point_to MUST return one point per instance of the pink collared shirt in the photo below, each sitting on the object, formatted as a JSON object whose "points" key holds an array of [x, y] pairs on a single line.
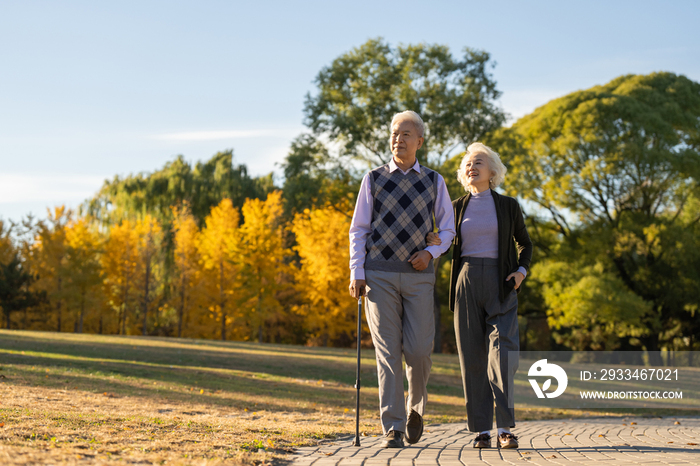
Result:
{"points": [[360, 228]]}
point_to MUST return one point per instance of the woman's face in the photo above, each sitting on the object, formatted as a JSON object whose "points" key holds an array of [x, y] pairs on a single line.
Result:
{"points": [[478, 171]]}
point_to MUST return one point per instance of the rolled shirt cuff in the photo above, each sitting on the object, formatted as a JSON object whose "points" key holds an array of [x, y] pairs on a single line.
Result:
{"points": [[357, 274], [522, 271]]}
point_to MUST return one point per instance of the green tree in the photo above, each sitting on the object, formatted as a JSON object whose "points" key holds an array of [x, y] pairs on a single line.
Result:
{"points": [[202, 187], [15, 292], [616, 170], [312, 178], [361, 90]]}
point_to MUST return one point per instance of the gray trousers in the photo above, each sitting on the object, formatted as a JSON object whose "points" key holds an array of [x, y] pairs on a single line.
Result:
{"points": [[399, 312], [486, 330]]}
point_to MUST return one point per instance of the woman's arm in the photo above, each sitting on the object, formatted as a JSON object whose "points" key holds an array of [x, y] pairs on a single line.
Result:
{"points": [[522, 239]]}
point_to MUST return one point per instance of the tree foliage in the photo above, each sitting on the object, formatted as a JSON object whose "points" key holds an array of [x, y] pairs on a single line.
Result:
{"points": [[218, 245], [358, 94], [187, 276], [261, 255], [47, 259], [15, 292], [202, 187], [616, 168], [83, 268], [119, 263], [324, 252]]}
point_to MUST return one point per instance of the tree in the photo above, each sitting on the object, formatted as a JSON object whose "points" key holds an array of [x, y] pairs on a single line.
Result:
{"points": [[322, 278], [15, 294], [7, 248], [261, 255], [82, 265], [202, 187], [47, 260], [312, 178], [591, 303], [119, 263], [218, 246], [148, 236], [616, 168], [186, 262], [361, 90]]}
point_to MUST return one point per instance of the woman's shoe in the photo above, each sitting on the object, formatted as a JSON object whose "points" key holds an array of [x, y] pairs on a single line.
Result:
{"points": [[507, 440]]}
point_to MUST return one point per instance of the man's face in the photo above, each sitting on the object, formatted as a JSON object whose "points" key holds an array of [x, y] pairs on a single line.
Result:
{"points": [[405, 141]]}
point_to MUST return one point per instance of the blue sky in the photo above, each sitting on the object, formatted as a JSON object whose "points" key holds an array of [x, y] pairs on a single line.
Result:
{"points": [[89, 90]]}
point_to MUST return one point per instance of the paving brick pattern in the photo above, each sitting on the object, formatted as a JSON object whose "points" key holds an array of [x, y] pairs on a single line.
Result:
{"points": [[628, 441]]}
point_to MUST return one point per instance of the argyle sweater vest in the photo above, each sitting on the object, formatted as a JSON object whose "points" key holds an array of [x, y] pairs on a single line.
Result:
{"points": [[402, 216]]}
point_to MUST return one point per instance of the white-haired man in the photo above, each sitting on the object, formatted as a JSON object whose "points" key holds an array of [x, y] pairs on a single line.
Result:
{"points": [[390, 263]]}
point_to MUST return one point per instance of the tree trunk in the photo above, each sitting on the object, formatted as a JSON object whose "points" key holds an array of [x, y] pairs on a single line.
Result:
{"points": [[260, 317], [58, 307], [144, 331], [82, 312], [222, 301], [653, 351], [124, 306], [181, 310]]}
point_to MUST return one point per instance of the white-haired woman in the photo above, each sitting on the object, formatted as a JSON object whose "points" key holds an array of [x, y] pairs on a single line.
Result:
{"points": [[487, 272]]}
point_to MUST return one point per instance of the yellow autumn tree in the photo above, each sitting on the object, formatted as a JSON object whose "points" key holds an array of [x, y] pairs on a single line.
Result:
{"points": [[187, 274], [47, 260], [217, 246], [148, 234], [262, 261], [119, 263], [84, 270], [323, 248]]}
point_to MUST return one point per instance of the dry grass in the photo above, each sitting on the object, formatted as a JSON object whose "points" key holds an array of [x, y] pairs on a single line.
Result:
{"points": [[93, 399]]}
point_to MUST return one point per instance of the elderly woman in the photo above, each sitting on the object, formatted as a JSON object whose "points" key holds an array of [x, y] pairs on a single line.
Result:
{"points": [[487, 272]]}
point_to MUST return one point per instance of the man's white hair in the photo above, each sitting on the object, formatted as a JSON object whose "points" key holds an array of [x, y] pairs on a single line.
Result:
{"points": [[494, 161], [413, 117]]}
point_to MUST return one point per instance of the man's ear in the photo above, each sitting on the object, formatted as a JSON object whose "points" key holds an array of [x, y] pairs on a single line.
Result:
{"points": [[420, 143]]}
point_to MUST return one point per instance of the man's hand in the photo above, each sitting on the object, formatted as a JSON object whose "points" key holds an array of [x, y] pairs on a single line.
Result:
{"points": [[357, 288], [519, 277], [421, 260]]}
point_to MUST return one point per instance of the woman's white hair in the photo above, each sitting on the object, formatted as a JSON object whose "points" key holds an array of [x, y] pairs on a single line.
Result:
{"points": [[494, 161], [412, 116]]}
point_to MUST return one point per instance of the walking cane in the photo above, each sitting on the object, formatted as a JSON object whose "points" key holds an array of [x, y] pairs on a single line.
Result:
{"points": [[356, 443]]}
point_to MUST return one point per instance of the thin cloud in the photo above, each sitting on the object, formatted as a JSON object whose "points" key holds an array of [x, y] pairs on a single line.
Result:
{"points": [[50, 189], [228, 134]]}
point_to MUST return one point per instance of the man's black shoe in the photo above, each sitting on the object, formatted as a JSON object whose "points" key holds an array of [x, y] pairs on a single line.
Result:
{"points": [[482, 441], [414, 427], [393, 439]]}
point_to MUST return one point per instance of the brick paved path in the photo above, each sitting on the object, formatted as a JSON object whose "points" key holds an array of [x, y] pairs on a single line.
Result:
{"points": [[630, 441]]}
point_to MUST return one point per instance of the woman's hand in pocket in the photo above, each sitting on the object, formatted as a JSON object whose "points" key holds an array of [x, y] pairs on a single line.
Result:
{"points": [[518, 277]]}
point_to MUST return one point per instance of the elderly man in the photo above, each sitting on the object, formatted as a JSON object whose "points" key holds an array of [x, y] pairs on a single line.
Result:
{"points": [[389, 261]]}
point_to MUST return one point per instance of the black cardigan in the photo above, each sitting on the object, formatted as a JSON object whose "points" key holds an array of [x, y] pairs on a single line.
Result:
{"points": [[510, 226]]}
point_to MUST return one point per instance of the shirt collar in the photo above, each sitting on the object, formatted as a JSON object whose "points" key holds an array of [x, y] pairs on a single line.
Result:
{"points": [[393, 167]]}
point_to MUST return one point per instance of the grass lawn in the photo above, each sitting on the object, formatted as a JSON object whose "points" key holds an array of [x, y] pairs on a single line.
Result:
{"points": [[95, 399]]}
